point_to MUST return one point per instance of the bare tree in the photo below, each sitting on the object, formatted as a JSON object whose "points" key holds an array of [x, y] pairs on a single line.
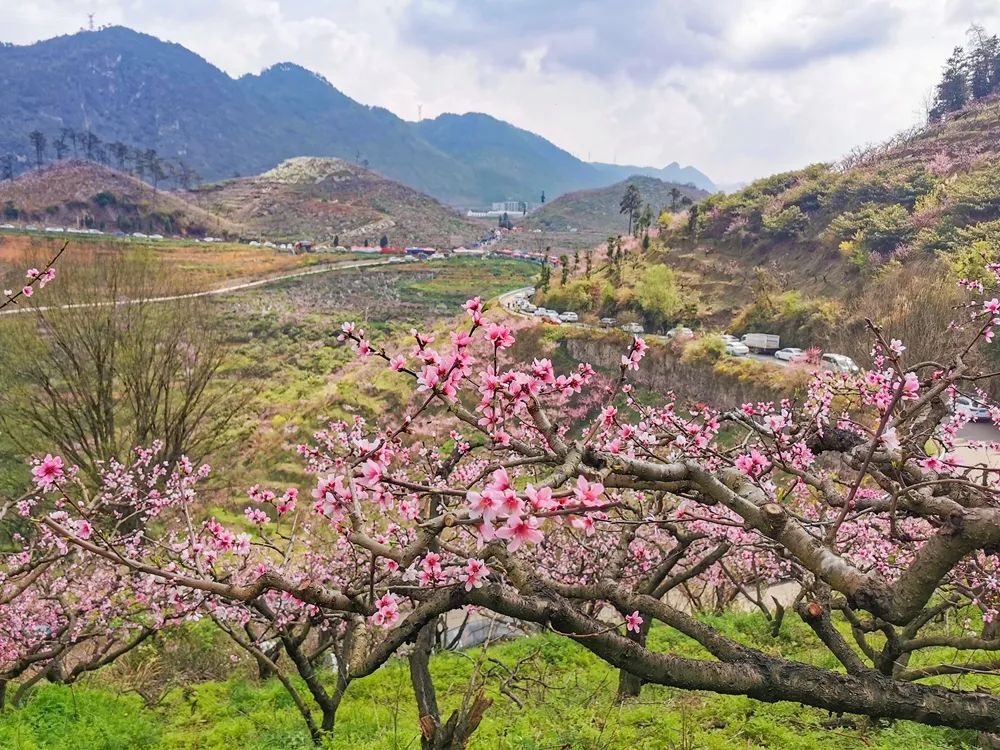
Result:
{"points": [[100, 378]]}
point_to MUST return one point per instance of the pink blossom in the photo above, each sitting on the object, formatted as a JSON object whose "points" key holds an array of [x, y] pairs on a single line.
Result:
{"points": [[633, 622], [588, 493], [500, 336], [475, 573], [519, 531], [47, 472]]}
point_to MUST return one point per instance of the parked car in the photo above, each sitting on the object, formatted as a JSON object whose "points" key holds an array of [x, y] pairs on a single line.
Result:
{"points": [[569, 317], [761, 341], [729, 338], [737, 349], [540, 312], [839, 362], [633, 328], [552, 318], [680, 332], [528, 307], [789, 354], [608, 322], [976, 410]]}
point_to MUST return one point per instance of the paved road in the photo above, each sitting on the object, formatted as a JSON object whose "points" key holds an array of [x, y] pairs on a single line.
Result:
{"points": [[507, 300], [208, 293], [980, 431]]}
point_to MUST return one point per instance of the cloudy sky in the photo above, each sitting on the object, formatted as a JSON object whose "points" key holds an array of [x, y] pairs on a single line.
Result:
{"points": [[739, 88]]}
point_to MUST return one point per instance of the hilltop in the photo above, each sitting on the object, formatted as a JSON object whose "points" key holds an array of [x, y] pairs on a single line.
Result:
{"points": [[597, 211], [324, 198], [124, 86], [83, 194]]}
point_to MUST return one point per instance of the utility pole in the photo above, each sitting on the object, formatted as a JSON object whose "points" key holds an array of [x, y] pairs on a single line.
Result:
{"points": [[90, 21]]}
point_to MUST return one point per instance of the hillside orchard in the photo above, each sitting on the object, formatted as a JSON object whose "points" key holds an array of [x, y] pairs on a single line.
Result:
{"points": [[559, 500]]}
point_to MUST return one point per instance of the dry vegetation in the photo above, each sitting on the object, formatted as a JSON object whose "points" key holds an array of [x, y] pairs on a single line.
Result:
{"points": [[325, 199]]}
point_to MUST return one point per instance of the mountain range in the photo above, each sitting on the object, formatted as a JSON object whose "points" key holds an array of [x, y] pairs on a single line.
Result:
{"points": [[133, 88]]}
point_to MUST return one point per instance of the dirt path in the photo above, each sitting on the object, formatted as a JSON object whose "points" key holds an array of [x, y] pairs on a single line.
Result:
{"points": [[208, 293]]}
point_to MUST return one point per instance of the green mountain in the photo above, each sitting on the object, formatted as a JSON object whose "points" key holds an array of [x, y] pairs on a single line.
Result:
{"points": [[124, 86]]}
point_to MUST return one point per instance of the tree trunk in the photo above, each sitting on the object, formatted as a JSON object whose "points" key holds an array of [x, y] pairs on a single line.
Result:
{"points": [[455, 733], [629, 685]]}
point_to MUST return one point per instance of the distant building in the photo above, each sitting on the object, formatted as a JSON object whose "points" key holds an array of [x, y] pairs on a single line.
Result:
{"points": [[499, 208]]}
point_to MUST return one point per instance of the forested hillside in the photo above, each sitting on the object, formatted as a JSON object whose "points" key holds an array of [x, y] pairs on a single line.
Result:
{"points": [[96, 93]]}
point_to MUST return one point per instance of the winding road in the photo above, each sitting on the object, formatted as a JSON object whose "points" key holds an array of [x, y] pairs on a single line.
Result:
{"points": [[974, 432]]}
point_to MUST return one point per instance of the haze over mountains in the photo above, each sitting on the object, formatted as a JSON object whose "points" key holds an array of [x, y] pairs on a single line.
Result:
{"points": [[131, 87]]}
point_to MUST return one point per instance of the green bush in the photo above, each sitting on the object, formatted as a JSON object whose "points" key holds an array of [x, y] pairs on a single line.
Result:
{"points": [[880, 229], [657, 296], [704, 350], [785, 224]]}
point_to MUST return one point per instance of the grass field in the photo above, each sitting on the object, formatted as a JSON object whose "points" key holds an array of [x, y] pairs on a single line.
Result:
{"points": [[567, 704]]}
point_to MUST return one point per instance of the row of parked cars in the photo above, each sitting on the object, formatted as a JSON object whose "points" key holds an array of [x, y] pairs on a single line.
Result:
{"points": [[522, 303]]}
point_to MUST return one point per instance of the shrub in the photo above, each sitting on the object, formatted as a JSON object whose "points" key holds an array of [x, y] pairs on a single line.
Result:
{"points": [[880, 229], [657, 296], [785, 224], [105, 199], [704, 350]]}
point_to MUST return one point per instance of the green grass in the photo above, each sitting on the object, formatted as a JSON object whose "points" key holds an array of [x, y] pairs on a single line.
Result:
{"points": [[569, 703]]}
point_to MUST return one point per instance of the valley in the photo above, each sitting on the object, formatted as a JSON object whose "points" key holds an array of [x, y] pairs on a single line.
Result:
{"points": [[325, 427]]}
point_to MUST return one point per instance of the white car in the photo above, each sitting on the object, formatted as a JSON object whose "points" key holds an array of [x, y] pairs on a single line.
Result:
{"points": [[680, 332], [737, 349], [540, 312], [528, 307], [569, 317], [633, 328], [977, 411], [6, 226], [729, 338], [839, 362], [789, 354]]}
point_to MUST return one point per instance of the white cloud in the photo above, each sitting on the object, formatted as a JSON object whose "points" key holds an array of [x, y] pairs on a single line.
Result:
{"points": [[738, 89]]}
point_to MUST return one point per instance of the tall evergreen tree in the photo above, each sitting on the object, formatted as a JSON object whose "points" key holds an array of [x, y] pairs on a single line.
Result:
{"points": [[60, 146], [630, 205], [980, 61], [953, 91], [120, 153], [675, 195], [38, 141]]}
